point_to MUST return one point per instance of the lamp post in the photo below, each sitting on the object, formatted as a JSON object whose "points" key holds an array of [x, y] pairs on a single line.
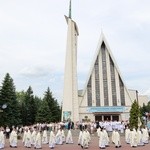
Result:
{"points": [[4, 106]]}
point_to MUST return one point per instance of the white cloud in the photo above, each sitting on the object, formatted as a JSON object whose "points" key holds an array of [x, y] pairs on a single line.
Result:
{"points": [[33, 40], [36, 71]]}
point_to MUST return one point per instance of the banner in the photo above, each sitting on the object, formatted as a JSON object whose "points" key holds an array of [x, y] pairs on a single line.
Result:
{"points": [[106, 109], [66, 115]]}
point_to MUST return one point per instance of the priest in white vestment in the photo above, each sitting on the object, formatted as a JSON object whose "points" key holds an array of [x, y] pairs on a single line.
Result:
{"points": [[133, 138], [44, 137], [63, 135], [52, 139], [106, 137], [33, 136], [117, 139], [38, 141], [80, 137], [101, 136], [127, 135], [24, 136], [2, 139], [113, 136], [85, 139], [69, 139], [145, 136], [13, 138], [59, 139], [28, 139], [139, 138]]}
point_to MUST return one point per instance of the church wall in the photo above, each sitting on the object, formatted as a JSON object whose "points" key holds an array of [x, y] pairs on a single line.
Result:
{"points": [[93, 89], [109, 79], [130, 97], [114, 97], [101, 80], [143, 99], [83, 100], [117, 88]]}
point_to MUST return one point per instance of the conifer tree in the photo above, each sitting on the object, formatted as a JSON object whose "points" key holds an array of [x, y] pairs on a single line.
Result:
{"points": [[53, 106], [29, 107], [43, 114], [10, 115], [134, 115]]}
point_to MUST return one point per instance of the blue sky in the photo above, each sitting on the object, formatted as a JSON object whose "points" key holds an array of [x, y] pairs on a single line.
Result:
{"points": [[33, 41]]}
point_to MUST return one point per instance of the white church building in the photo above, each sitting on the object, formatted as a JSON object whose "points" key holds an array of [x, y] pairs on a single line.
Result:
{"points": [[105, 95]]}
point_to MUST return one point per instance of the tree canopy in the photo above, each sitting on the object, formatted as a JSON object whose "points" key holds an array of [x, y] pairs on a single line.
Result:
{"points": [[23, 108], [135, 116], [11, 114]]}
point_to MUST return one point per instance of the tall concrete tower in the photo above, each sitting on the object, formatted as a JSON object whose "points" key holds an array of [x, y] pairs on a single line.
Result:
{"points": [[70, 107]]}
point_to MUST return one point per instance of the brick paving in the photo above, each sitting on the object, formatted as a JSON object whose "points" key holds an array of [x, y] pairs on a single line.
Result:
{"points": [[75, 146]]}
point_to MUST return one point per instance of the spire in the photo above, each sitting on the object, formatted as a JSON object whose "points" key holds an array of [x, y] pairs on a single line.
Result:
{"points": [[70, 10]]}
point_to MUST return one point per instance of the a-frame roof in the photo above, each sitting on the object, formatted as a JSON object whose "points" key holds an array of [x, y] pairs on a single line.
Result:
{"points": [[101, 40]]}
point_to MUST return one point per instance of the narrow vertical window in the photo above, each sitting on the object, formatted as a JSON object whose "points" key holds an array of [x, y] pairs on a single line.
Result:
{"points": [[113, 82], [122, 96], [104, 68], [97, 86], [89, 93]]}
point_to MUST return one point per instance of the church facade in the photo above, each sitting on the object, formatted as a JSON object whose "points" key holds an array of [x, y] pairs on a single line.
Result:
{"points": [[105, 95]]}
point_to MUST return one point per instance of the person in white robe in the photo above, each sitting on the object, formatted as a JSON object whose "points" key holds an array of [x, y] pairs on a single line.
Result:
{"points": [[127, 135], [133, 138], [24, 136], [28, 139], [145, 135], [33, 136], [106, 137], [2, 139], [101, 137], [139, 138], [44, 137], [80, 137], [63, 136], [59, 139], [88, 136], [85, 139], [13, 138], [122, 127], [117, 139], [98, 130], [113, 136], [38, 140], [92, 128], [52, 139], [109, 127], [69, 139]]}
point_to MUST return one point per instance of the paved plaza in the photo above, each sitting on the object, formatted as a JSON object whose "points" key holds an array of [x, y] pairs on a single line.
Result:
{"points": [[75, 146]]}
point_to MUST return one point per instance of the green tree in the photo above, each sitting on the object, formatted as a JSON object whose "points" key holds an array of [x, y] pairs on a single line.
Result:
{"points": [[23, 103], [11, 115], [145, 109], [43, 114], [29, 108], [134, 115], [38, 102], [53, 106], [21, 100]]}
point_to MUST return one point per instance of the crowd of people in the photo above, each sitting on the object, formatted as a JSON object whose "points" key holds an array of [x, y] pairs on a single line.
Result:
{"points": [[59, 133]]}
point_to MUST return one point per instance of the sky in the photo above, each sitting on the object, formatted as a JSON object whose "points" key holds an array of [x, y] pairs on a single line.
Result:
{"points": [[33, 37]]}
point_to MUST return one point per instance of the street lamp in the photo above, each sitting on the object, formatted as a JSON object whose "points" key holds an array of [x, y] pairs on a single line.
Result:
{"points": [[4, 106]]}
